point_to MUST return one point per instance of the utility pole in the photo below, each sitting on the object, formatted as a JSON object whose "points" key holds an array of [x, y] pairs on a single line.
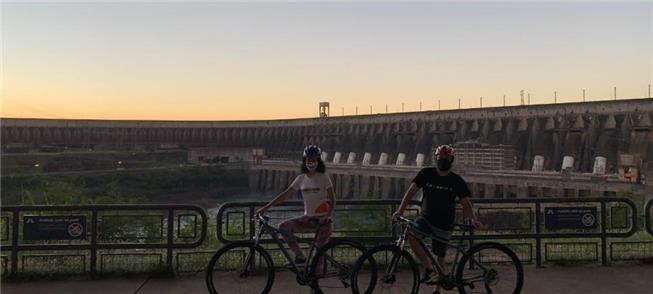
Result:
{"points": [[555, 97], [615, 93], [356, 110], [521, 94], [529, 98], [458, 103], [370, 109], [649, 91], [583, 95], [420, 106], [504, 100], [343, 111], [481, 101], [386, 108], [402, 107]]}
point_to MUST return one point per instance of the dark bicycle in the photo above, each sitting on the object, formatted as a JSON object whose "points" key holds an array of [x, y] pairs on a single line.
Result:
{"points": [[246, 267], [487, 267]]}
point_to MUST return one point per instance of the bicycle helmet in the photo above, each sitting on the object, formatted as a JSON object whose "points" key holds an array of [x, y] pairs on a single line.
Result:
{"points": [[444, 150], [312, 151]]}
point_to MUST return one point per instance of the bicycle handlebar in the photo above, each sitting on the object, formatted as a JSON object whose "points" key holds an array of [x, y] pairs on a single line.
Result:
{"points": [[403, 219], [262, 219], [266, 220], [463, 227]]}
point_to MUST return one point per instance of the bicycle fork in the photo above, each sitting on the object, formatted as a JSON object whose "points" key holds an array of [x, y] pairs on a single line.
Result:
{"points": [[249, 258], [388, 276]]}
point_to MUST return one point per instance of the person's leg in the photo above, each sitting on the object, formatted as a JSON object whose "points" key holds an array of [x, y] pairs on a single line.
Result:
{"points": [[440, 251], [322, 237], [443, 266], [288, 229], [419, 251], [325, 232], [440, 247]]}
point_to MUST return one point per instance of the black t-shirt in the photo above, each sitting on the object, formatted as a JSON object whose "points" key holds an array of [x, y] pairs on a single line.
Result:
{"points": [[440, 192]]}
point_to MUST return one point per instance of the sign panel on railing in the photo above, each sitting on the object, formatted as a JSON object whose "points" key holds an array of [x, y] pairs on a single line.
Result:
{"points": [[556, 218], [54, 227]]}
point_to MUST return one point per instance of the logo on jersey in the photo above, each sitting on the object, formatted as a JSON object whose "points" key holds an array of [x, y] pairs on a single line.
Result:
{"points": [[436, 187], [311, 190]]}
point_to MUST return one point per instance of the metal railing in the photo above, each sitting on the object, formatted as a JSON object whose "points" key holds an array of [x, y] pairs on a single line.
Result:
{"points": [[523, 219], [101, 232], [178, 230]]}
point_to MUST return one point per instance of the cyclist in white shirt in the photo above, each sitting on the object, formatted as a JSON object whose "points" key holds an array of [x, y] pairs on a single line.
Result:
{"points": [[319, 200]]}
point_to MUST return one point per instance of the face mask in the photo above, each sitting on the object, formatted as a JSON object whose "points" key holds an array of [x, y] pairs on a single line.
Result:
{"points": [[311, 165], [444, 164]]}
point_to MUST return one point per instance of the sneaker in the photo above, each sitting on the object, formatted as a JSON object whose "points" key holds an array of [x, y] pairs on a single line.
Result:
{"points": [[430, 277]]}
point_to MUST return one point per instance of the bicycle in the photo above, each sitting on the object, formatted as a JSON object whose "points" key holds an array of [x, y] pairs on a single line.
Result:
{"points": [[481, 268], [234, 268]]}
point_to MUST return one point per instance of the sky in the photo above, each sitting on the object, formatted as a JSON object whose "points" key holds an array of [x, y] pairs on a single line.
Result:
{"points": [[275, 60]]}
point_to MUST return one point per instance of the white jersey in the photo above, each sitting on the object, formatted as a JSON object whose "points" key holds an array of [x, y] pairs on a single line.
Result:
{"points": [[314, 192]]}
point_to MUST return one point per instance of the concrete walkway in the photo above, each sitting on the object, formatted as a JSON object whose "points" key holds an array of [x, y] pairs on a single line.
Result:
{"points": [[632, 279]]}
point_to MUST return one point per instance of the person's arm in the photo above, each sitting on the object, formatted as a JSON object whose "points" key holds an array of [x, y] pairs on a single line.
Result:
{"points": [[468, 211], [280, 198], [408, 196], [331, 197]]}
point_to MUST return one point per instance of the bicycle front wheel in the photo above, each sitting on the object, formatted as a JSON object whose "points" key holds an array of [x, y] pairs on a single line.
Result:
{"points": [[240, 267], [385, 269], [490, 268]]}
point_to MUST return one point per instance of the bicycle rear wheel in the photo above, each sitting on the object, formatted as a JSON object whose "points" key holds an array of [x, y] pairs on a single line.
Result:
{"points": [[331, 267], [490, 268], [240, 267], [385, 269]]}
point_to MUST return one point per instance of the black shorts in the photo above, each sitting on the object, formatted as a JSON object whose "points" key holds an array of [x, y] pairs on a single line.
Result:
{"points": [[439, 248]]}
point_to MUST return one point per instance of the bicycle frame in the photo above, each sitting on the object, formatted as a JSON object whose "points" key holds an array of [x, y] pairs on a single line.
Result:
{"points": [[460, 250], [265, 227]]}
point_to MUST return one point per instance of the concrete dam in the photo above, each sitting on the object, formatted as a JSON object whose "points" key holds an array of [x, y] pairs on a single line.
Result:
{"points": [[580, 130]]}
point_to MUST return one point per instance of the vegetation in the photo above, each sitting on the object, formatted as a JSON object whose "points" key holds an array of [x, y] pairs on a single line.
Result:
{"points": [[124, 187]]}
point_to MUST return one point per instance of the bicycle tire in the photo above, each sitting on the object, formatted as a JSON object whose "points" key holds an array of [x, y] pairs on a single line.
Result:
{"points": [[325, 252], [375, 265], [512, 260], [233, 248]]}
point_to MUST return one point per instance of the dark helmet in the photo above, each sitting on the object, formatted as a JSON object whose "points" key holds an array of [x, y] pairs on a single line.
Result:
{"points": [[312, 151], [444, 150]]}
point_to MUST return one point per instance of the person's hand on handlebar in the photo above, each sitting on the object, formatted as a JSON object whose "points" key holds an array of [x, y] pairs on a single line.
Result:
{"points": [[477, 224], [397, 214], [261, 211]]}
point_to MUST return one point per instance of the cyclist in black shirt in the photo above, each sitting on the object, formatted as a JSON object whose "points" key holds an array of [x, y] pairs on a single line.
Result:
{"points": [[440, 188]]}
